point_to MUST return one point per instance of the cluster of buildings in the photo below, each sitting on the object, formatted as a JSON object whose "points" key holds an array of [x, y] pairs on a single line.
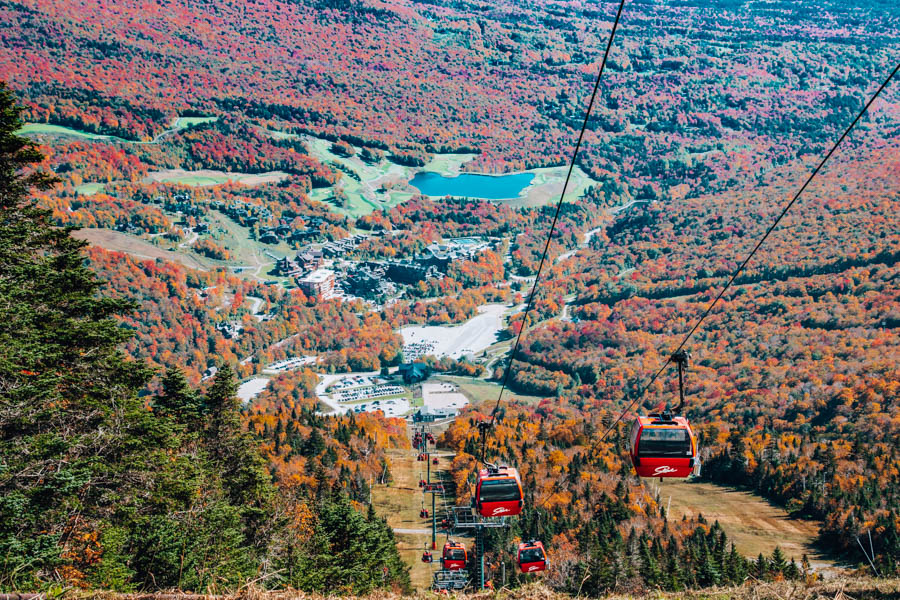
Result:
{"points": [[181, 203], [338, 248], [368, 281], [306, 261], [308, 273], [376, 281], [245, 213], [230, 330], [283, 232], [249, 214], [440, 255], [410, 272]]}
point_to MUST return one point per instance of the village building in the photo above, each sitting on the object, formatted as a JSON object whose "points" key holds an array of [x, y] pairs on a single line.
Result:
{"points": [[317, 284], [336, 248], [288, 268], [268, 237], [414, 372], [409, 272], [310, 260], [368, 282]]}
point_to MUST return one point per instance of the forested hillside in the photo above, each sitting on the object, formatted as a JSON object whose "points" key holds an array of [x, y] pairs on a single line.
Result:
{"points": [[506, 79], [202, 145], [104, 486], [794, 375]]}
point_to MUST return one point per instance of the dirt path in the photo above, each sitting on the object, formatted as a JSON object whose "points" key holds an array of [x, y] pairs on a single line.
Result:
{"points": [[190, 242], [750, 521]]}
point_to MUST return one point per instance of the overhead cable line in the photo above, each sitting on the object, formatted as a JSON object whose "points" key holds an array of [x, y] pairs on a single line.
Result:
{"points": [[740, 268], [562, 196]]}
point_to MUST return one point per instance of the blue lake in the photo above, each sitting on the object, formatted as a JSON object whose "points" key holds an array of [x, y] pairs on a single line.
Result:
{"points": [[471, 185]]}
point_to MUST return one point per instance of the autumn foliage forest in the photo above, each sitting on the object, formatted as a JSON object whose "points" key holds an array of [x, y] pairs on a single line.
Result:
{"points": [[710, 116]]}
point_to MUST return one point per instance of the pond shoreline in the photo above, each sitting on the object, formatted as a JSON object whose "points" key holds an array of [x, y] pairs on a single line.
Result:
{"points": [[508, 186]]}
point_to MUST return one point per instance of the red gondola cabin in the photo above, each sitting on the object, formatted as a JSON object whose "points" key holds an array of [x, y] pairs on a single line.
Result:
{"points": [[532, 557], [454, 557], [498, 492], [663, 446]]}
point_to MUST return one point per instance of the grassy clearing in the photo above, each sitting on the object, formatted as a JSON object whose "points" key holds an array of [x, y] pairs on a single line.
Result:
{"points": [[399, 502], [547, 186], [123, 242], [195, 180], [59, 130], [364, 196], [280, 135], [750, 521], [208, 177], [177, 124], [246, 251], [89, 189], [187, 122], [480, 390]]}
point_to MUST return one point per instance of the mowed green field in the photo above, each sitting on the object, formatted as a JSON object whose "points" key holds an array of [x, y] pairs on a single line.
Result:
{"points": [[47, 129], [89, 189], [177, 124], [365, 198], [363, 195], [186, 122], [197, 180], [207, 177]]}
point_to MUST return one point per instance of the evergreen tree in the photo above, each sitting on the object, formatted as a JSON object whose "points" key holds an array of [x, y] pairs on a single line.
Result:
{"points": [[99, 491], [350, 553], [78, 446], [761, 567], [178, 400], [314, 444], [792, 571], [778, 563], [235, 455]]}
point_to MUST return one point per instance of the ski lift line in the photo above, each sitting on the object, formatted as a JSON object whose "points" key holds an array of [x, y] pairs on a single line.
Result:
{"points": [[740, 268], [562, 196]]}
